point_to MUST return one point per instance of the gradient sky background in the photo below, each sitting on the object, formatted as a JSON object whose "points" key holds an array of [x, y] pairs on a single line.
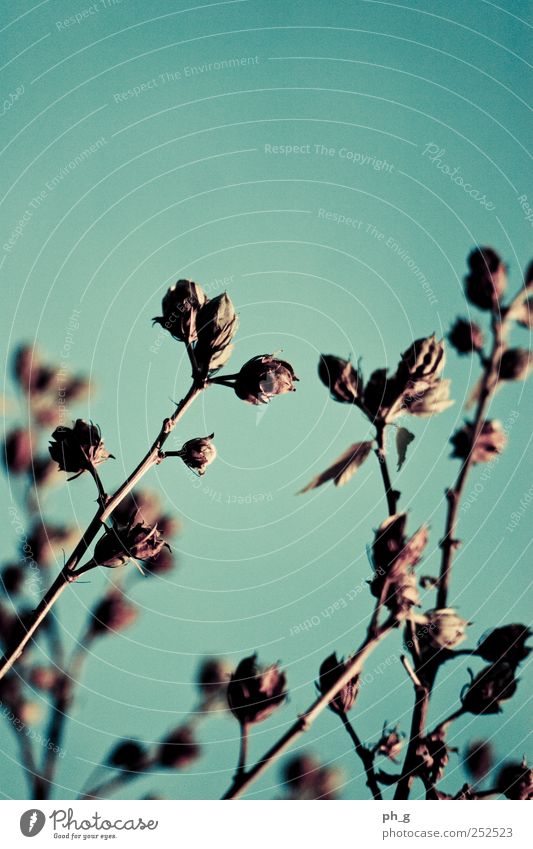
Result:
{"points": [[182, 186]]}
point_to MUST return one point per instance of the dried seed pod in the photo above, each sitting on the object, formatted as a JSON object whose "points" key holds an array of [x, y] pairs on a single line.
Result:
{"points": [[146, 504], [306, 778], [506, 643], [79, 448], [492, 686], [18, 451], [198, 453], [180, 308], [390, 744], [515, 364], [423, 399], [341, 378], [132, 541], [515, 781], [331, 670], [466, 336], [491, 441], [113, 613], [444, 628], [478, 759], [212, 677], [263, 377], [128, 755], [255, 692], [217, 324], [424, 359], [487, 281], [12, 578], [179, 749]]}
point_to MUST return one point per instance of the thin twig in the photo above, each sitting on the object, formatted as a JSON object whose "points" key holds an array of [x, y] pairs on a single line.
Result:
{"points": [[391, 494], [366, 756]]}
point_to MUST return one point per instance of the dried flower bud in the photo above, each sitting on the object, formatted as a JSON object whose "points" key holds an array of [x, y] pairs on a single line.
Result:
{"points": [[466, 337], [212, 677], [492, 686], [424, 359], [421, 399], [391, 743], [145, 503], [179, 749], [26, 362], [255, 692], [515, 781], [515, 364], [128, 755], [478, 759], [18, 451], [12, 579], [263, 377], [444, 628], [331, 670], [180, 308], [401, 593], [487, 281], [113, 613], [491, 441], [198, 453], [44, 471], [132, 541], [79, 448], [506, 643], [217, 324], [164, 562], [307, 778], [45, 542], [45, 678], [381, 392], [342, 379]]}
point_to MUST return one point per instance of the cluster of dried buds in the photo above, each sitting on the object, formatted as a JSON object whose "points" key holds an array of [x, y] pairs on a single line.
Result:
{"points": [[207, 327], [394, 557]]}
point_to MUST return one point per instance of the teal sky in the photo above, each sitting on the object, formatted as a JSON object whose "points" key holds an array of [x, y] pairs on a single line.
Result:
{"points": [[189, 175]]}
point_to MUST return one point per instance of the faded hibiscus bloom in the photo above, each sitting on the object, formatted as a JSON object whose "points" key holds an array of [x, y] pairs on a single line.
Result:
{"points": [[128, 542], [491, 441], [262, 377], [255, 692], [331, 670], [79, 448]]}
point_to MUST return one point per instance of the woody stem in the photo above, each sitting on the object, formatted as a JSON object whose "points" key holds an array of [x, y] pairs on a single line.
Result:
{"points": [[381, 453], [366, 756], [243, 750]]}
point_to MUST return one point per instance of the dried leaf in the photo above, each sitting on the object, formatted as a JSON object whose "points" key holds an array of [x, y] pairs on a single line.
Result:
{"points": [[344, 466], [403, 439]]}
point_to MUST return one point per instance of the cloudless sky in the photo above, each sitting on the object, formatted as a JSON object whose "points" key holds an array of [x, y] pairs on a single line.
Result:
{"points": [[189, 174]]}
